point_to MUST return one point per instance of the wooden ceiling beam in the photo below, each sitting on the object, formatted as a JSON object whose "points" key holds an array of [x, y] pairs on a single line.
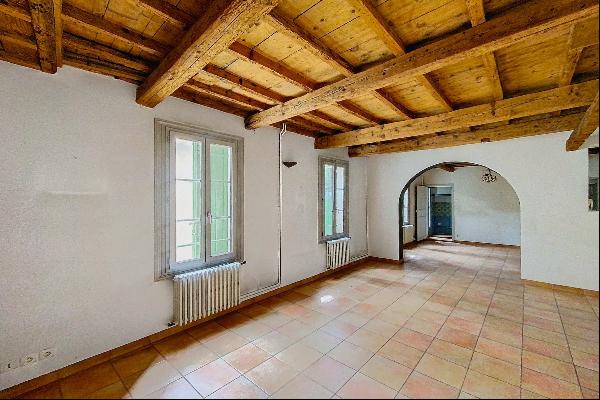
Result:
{"points": [[483, 135], [392, 40], [520, 23], [585, 34], [15, 10], [477, 15], [23, 41], [102, 67], [320, 50], [222, 23], [568, 97], [587, 126], [168, 12], [46, 18], [11, 58]]}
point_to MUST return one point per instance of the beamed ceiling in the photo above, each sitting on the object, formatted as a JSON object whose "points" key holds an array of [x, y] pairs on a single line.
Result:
{"points": [[376, 76]]}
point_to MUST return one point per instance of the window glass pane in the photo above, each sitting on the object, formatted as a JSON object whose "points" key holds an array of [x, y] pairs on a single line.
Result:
{"points": [[405, 209], [340, 196], [221, 197], [188, 200], [328, 199]]}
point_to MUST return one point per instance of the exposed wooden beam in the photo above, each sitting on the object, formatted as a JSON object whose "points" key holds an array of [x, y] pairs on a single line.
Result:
{"points": [[11, 58], [222, 23], [46, 18], [568, 97], [320, 50], [168, 12], [21, 40], [392, 40], [587, 126], [585, 34], [477, 15], [15, 10], [98, 24], [523, 22], [484, 135], [102, 67], [571, 60]]}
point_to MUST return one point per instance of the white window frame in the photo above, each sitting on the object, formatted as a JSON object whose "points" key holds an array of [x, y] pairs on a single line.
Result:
{"points": [[406, 209], [337, 163], [164, 193]]}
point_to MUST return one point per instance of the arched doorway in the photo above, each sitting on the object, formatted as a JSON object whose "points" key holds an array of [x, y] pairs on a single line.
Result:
{"points": [[449, 167]]}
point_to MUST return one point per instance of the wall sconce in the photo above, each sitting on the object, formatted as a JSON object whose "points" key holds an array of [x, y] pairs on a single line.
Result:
{"points": [[290, 164]]}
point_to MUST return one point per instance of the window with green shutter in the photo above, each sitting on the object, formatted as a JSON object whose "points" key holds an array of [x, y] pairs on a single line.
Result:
{"points": [[333, 194]]}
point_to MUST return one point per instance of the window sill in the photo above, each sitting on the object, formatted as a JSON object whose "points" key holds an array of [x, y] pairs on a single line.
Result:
{"points": [[408, 226], [171, 275], [332, 238]]}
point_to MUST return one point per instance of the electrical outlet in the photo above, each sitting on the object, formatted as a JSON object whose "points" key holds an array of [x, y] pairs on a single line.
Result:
{"points": [[9, 366], [29, 359], [47, 353]]}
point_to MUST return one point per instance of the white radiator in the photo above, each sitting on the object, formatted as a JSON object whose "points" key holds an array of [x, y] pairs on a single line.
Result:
{"points": [[338, 253], [205, 292]]}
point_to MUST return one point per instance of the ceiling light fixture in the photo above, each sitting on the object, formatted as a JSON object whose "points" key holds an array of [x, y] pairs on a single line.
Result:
{"points": [[489, 177]]}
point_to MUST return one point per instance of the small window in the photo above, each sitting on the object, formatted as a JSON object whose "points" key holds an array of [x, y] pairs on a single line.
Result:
{"points": [[406, 208], [593, 198], [333, 193], [197, 198]]}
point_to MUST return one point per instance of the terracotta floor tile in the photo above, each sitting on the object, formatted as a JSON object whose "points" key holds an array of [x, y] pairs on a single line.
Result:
{"points": [[589, 394], [247, 357], [459, 338], [496, 368], [51, 391], [588, 378], [225, 343], [549, 366], [186, 357], [151, 379], [180, 389], [499, 350], [583, 345], [241, 388], [394, 317], [363, 387], [420, 386], [212, 377], [526, 394], [206, 331], [547, 349], [299, 356], [115, 391], [252, 330], [330, 373], [273, 319], [271, 375], [386, 371], [273, 342], [296, 330], [381, 327], [546, 336], [486, 387], [367, 339], [401, 353], [340, 329], [321, 341], [544, 324], [586, 360], [422, 326], [442, 370], [498, 335], [549, 386], [88, 381], [450, 352], [413, 339], [351, 355], [136, 362], [301, 387], [474, 328]]}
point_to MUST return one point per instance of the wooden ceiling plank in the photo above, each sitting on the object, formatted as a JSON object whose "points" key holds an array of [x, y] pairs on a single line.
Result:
{"points": [[358, 112], [585, 34], [101, 25], [168, 12], [11, 58], [46, 18], [14, 9], [477, 15], [393, 42], [523, 22], [587, 126], [102, 67], [436, 141], [320, 50], [16, 38], [222, 23], [568, 97], [225, 94]]}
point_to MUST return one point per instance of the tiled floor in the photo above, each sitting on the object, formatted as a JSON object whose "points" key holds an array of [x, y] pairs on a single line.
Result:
{"points": [[454, 321]]}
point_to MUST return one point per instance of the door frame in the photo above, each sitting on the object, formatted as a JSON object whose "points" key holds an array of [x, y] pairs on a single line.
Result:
{"points": [[451, 186]]}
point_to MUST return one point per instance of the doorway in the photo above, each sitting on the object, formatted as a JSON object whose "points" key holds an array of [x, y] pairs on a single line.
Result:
{"points": [[434, 212]]}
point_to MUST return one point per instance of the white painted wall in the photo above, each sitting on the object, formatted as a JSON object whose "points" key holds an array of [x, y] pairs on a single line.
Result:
{"points": [[483, 212], [76, 213], [559, 236]]}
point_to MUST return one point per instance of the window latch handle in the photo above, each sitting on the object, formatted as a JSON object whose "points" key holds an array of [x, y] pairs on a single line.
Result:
{"points": [[209, 218]]}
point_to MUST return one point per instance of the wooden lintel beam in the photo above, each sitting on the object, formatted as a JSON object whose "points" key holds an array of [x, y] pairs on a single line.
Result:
{"points": [[568, 97], [168, 12], [222, 23], [483, 135], [46, 18], [476, 11], [520, 23], [587, 126]]}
